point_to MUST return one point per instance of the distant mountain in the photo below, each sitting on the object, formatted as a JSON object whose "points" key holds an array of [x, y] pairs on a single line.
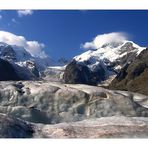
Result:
{"points": [[134, 76], [25, 65], [94, 66]]}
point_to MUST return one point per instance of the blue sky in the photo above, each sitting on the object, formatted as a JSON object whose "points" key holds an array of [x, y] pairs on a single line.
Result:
{"points": [[63, 31]]}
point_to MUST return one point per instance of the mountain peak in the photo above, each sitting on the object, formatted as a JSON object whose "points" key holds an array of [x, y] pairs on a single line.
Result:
{"points": [[112, 44], [19, 54], [109, 59], [110, 51]]}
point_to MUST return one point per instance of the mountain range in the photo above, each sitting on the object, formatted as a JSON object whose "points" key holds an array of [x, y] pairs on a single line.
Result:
{"points": [[119, 108], [118, 65]]}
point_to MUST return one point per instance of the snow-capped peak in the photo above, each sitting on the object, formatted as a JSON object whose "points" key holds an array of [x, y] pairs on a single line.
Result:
{"points": [[113, 55], [110, 51], [19, 55], [112, 39]]}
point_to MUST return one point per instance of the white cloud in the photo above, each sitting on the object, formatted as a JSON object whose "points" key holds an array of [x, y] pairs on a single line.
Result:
{"points": [[22, 13], [100, 40], [35, 48], [1, 17]]}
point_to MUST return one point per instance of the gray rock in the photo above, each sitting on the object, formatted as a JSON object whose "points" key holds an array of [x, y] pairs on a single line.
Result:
{"points": [[7, 71], [14, 128]]}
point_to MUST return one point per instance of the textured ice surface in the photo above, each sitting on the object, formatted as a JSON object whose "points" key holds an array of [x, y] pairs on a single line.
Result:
{"points": [[53, 102]]}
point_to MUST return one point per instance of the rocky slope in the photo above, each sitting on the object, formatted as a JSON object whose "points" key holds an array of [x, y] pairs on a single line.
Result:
{"points": [[134, 76], [94, 66], [7, 71]]}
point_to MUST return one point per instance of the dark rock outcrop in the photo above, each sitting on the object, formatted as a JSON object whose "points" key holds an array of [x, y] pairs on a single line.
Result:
{"points": [[31, 66], [14, 128], [77, 73], [134, 76], [7, 71]]}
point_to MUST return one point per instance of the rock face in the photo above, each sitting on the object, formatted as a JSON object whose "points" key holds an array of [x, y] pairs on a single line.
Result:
{"points": [[134, 76], [31, 66], [76, 73], [7, 71], [94, 66]]}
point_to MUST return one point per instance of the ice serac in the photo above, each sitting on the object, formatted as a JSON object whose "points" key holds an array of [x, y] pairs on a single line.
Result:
{"points": [[100, 64], [50, 102]]}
